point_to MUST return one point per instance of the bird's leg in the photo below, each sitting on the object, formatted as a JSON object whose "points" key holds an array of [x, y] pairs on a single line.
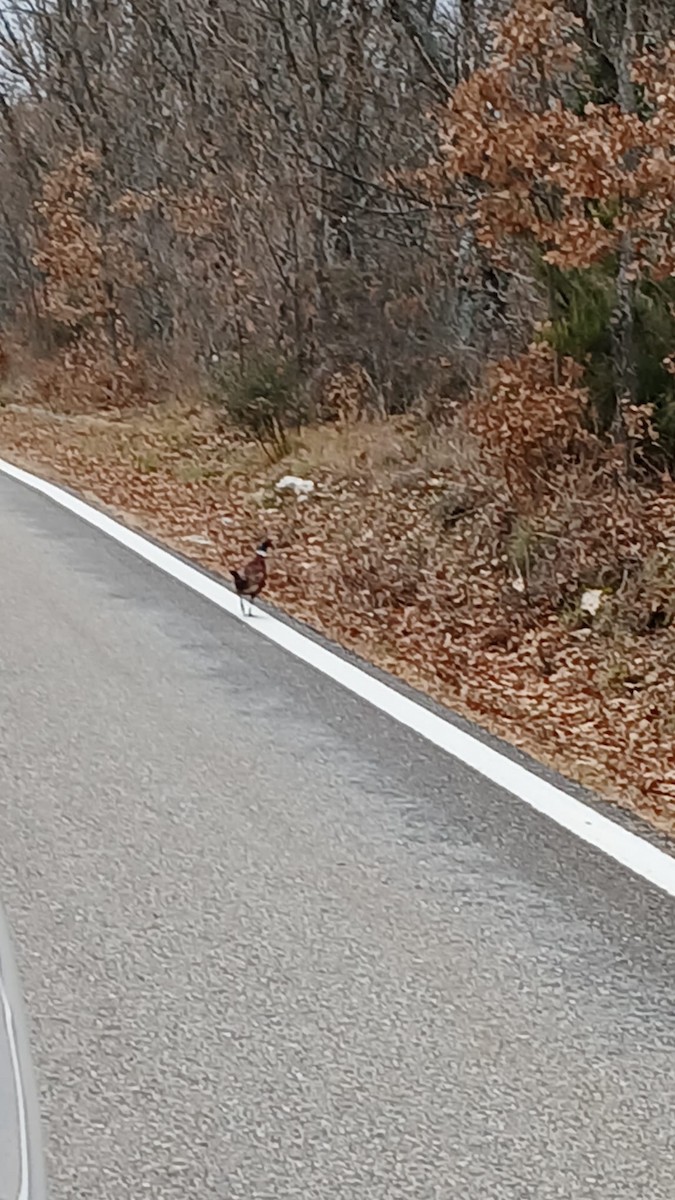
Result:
{"points": [[250, 606], [242, 605]]}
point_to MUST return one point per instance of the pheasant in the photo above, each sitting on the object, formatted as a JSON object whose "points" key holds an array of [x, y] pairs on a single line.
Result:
{"points": [[251, 579]]}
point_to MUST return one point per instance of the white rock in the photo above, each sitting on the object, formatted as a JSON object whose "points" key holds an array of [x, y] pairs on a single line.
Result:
{"points": [[590, 601], [292, 483], [197, 539]]}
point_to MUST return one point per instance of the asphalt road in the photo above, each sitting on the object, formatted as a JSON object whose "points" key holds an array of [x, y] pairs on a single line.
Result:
{"points": [[273, 945]]}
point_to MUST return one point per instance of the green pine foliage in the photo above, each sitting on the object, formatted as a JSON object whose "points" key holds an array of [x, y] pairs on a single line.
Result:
{"points": [[581, 307]]}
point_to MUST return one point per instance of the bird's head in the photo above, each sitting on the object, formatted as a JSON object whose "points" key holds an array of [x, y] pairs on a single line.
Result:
{"points": [[263, 548]]}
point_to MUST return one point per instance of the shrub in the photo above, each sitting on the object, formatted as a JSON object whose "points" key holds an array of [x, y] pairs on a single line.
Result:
{"points": [[265, 401]]}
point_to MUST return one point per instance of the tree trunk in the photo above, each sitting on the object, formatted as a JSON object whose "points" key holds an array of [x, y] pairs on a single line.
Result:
{"points": [[623, 316]]}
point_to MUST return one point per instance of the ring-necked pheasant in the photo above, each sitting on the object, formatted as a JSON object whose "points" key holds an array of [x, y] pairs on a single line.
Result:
{"points": [[251, 579]]}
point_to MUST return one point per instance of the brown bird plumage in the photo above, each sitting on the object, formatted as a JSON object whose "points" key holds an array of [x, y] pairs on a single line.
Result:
{"points": [[251, 579]]}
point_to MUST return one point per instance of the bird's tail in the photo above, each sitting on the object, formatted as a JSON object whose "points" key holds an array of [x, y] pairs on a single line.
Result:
{"points": [[239, 581]]}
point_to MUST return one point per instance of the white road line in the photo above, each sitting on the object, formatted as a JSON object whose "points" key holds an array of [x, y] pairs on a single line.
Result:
{"points": [[626, 848], [8, 1019]]}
